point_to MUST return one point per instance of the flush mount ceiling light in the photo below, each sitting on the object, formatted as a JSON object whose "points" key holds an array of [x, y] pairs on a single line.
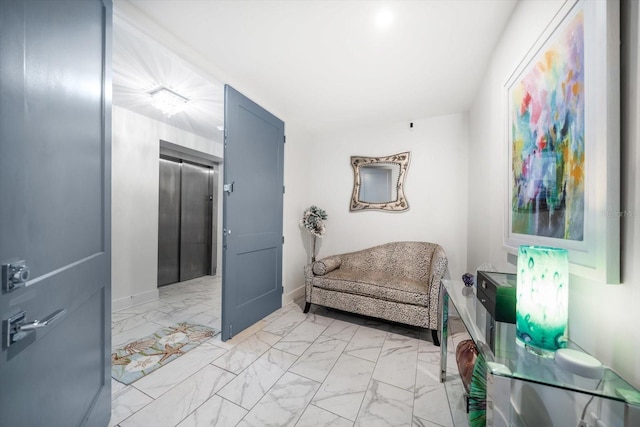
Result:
{"points": [[384, 18], [168, 101]]}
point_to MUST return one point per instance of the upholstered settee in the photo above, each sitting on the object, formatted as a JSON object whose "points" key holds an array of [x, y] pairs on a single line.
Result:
{"points": [[397, 281]]}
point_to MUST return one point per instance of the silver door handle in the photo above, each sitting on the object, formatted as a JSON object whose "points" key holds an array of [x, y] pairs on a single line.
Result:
{"points": [[42, 323], [17, 328]]}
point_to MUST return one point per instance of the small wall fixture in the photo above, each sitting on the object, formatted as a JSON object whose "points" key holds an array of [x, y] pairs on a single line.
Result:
{"points": [[542, 299], [167, 101]]}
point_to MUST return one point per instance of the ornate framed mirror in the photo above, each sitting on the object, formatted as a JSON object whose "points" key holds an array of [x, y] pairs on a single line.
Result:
{"points": [[378, 182]]}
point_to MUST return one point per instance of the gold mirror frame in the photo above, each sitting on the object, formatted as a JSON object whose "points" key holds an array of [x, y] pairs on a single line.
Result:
{"points": [[398, 205]]}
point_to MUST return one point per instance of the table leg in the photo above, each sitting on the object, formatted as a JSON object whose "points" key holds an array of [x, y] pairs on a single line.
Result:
{"points": [[444, 334]]}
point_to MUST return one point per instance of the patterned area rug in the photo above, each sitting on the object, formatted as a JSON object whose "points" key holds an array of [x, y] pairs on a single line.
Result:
{"points": [[145, 355]]}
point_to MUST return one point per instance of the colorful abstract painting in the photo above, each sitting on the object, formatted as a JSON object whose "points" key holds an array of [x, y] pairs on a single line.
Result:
{"points": [[547, 139]]}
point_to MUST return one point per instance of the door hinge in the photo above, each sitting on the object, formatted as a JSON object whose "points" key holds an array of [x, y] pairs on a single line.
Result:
{"points": [[282, 290], [230, 331], [228, 188], [284, 138], [283, 189], [283, 240]]}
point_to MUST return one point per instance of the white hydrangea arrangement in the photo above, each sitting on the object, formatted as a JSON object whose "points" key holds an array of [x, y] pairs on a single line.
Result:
{"points": [[313, 220]]}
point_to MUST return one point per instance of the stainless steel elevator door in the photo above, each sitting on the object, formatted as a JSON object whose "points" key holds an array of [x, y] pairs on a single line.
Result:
{"points": [[169, 223], [185, 221], [195, 235]]}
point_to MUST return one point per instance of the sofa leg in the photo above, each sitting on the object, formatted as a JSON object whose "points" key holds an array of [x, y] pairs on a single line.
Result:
{"points": [[434, 335], [307, 307]]}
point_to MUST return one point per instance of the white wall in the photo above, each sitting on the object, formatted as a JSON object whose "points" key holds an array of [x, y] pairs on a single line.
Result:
{"points": [[435, 187], [603, 318], [135, 154], [296, 199]]}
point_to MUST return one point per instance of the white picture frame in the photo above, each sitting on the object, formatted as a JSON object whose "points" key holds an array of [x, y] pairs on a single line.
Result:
{"points": [[594, 252]]}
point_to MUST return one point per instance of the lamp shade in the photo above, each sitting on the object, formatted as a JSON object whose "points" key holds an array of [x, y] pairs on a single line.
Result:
{"points": [[542, 299]]}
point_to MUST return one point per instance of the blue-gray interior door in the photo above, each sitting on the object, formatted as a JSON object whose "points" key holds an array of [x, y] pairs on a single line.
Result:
{"points": [[252, 213], [55, 175]]}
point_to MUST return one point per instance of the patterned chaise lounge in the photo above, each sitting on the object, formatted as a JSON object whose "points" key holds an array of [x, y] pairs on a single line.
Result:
{"points": [[397, 281]]}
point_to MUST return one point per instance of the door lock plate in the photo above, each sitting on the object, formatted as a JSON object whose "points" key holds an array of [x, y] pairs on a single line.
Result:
{"points": [[14, 275]]}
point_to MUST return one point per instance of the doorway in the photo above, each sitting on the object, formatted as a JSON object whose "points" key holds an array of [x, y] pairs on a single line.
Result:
{"points": [[187, 218]]}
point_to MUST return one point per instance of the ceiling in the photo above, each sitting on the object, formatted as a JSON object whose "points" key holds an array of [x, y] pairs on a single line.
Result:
{"points": [[142, 65], [326, 64]]}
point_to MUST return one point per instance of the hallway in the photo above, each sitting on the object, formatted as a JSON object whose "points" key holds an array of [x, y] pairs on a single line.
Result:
{"points": [[317, 369]]}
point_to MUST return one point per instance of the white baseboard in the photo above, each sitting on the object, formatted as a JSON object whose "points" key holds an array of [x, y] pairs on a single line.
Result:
{"points": [[293, 295], [126, 302]]}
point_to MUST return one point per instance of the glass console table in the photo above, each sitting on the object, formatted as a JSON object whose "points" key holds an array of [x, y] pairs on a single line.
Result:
{"points": [[511, 368]]}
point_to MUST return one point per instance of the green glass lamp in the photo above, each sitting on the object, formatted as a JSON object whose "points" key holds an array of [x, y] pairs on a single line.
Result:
{"points": [[542, 299]]}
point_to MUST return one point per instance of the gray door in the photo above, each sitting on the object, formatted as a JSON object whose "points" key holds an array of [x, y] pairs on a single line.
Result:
{"points": [[55, 204], [185, 221], [252, 213]]}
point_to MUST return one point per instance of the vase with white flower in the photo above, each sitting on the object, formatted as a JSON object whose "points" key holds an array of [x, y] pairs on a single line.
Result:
{"points": [[313, 221]]}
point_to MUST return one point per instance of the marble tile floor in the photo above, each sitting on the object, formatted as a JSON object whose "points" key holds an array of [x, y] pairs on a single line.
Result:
{"points": [[324, 368]]}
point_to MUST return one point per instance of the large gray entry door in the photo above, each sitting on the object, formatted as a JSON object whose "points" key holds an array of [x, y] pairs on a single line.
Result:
{"points": [[252, 213], [55, 175]]}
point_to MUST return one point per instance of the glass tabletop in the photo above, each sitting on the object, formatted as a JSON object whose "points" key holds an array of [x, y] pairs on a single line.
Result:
{"points": [[509, 359]]}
